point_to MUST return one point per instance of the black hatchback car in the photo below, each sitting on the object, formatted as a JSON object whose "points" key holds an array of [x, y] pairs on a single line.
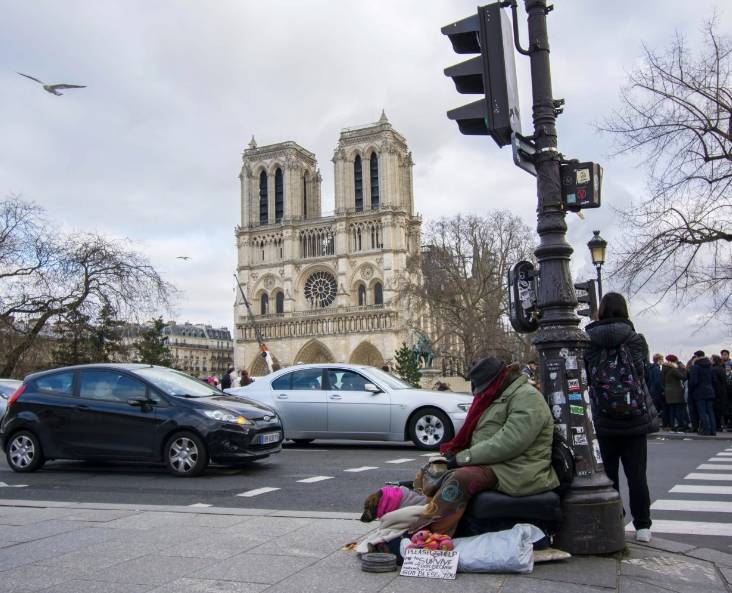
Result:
{"points": [[133, 412]]}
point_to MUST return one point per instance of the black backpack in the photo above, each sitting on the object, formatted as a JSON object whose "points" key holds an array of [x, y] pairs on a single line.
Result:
{"points": [[562, 462], [616, 390]]}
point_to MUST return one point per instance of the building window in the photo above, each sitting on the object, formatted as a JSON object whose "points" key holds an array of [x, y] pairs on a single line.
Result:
{"points": [[361, 295], [280, 303], [378, 294], [263, 206], [304, 196], [374, 170], [264, 304], [358, 183], [279, 196]]}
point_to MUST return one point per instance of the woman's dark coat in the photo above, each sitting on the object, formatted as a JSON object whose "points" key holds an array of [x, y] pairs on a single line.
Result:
{"points": [[610, 334]]}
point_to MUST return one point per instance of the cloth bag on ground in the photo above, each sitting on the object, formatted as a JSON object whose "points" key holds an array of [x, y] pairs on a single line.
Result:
{"points": [[430, 476], [501, 551]]}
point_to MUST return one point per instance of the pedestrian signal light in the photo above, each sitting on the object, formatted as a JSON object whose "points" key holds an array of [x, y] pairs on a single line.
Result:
{"points": [[581, 185]]}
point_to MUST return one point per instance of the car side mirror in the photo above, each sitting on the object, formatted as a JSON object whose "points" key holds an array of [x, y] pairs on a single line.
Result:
{"points": [[139, 402], [371, 388]]}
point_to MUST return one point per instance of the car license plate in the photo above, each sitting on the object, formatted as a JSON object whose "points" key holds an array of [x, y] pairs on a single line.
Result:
{"points": [[269, 438]]}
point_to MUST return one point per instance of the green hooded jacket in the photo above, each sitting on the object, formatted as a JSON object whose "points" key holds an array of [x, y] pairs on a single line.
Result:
{"points": [[514, 437]]}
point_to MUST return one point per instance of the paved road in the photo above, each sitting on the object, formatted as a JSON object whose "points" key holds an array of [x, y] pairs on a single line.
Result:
{"points": [[336, 476]]}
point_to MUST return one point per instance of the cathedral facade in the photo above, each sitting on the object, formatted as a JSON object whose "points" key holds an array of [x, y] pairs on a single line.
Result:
{"points": [[323, 287]]}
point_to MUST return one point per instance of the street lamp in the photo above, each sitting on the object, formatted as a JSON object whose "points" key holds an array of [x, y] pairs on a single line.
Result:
{"points": [[597, 247]]}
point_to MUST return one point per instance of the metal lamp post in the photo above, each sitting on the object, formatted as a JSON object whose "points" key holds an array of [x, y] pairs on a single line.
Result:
{"points": [[597, 247], [593, 521]]}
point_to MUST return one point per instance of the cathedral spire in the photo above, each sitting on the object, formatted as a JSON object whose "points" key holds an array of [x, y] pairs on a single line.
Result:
{"points": [[383, 119], [252, 143]]}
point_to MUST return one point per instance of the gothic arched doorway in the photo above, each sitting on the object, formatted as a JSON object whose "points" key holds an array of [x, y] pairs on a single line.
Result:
{"points": [[314, 351], [366, 353]]}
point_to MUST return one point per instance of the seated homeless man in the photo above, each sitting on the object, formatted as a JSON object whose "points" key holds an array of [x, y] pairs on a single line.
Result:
{"points": [[504, 445]]}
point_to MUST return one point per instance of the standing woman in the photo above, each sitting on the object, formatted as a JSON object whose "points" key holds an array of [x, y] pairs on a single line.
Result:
{"points": [[616, 360]]}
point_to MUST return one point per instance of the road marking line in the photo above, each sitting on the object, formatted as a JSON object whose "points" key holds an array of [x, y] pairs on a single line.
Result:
{"points": [[257, 491], [363, 468], [707, 506], [199, 505], [433, 454], [401, 460], [688, 527], [4, 485], [315, 479], [307, 450], [683, 489], [711, 477], [714, 466], [725, 454], [722, 459]]}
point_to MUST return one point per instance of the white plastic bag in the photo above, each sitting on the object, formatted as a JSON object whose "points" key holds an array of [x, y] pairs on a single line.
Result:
{"points": [[501, 551]]}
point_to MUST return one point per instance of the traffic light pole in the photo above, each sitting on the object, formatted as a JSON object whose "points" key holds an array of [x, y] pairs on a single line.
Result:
{"points": [[593, 521]]}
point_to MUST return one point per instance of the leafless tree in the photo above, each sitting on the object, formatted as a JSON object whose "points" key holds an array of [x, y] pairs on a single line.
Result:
{"points": [[459, 280], [45, 276], [677, 114]]}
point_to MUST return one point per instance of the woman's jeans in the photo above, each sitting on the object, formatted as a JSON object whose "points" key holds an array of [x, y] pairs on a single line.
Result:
{"points": [[705, 411], [678, 417], [633, 452]]}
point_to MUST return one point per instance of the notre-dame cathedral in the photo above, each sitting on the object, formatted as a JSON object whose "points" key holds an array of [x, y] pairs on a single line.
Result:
{"points": [[323, 287]]}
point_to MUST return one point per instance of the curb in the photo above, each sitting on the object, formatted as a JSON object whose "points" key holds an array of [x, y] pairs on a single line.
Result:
{"points": [[691, 436], [101, 506]]}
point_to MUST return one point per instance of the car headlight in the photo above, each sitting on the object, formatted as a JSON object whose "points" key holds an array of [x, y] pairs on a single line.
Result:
{"points": [[464, 407], [223, 416]]}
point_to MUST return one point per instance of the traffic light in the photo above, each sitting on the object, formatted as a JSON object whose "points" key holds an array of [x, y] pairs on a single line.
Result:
{"points": [[581, 185], [587, 294], [492, 73]]}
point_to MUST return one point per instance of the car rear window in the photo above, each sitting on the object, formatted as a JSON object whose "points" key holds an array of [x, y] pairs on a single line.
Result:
{"points": [[62, 383]]}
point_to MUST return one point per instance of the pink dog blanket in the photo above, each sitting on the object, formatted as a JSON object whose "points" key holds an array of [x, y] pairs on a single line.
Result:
{"points": [[391, 497]]}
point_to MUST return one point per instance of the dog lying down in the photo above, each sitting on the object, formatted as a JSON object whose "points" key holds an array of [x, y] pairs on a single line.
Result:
{"points": [[388, 499]]}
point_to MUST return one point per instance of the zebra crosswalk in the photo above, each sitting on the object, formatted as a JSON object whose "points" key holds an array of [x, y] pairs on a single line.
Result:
{"points": [[700, 505]]}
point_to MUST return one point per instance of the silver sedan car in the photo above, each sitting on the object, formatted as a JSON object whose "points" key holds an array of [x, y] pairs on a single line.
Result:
{"points": [[346, 401]]}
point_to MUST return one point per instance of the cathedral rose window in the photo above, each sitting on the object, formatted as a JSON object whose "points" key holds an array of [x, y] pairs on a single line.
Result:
{"points": [[320, 289]]}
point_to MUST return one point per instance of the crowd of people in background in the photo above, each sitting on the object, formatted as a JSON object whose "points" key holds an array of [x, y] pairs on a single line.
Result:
{"points": [[231, 378], [694, 396]]}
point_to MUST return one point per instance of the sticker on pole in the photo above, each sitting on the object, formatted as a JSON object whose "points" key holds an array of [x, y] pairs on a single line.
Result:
{"points": [[430, 564]]}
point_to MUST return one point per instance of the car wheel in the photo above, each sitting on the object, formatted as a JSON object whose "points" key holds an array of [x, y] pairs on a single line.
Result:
{"points": [[429, 428], [185, 455], [24, 452], [302, 441]]}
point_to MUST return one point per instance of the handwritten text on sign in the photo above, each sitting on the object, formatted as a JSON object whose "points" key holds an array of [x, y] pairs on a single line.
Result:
{"points": [[430, 564]]}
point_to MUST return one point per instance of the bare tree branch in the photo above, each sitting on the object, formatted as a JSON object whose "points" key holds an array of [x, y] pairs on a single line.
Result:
{"points": [[677, 115]]}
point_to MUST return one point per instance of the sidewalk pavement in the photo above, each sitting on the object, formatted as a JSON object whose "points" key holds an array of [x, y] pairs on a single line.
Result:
{"points": [[89, 548]]}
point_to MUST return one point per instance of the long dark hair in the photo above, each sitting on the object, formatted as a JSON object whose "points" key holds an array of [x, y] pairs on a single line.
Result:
{"points": [[613, 306]]}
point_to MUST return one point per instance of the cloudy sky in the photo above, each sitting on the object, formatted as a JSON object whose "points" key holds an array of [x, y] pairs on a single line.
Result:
{"points": [[152, 148]]}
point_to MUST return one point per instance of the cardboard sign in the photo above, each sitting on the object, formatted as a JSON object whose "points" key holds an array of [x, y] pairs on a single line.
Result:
{"points": [[430, 564]]}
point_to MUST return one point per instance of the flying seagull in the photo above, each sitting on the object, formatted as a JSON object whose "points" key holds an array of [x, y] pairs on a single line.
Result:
{"points": [[183, 257], [53, 88]]}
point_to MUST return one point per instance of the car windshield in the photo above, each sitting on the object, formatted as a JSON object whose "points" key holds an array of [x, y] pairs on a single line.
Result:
{"points": [[176, 383], [7, 388], [392, 381]]}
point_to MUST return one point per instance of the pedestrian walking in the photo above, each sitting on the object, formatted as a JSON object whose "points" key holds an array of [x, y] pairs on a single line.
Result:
{"points": [[245, 379], [616, 359], [655, 386], [721, 402], [701, 392], [673, 376], [226, 379]]}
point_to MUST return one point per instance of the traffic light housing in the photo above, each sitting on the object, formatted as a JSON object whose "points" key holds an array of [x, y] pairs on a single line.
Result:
{"points": [[581, 185], [587, 294], [492, 73]]}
